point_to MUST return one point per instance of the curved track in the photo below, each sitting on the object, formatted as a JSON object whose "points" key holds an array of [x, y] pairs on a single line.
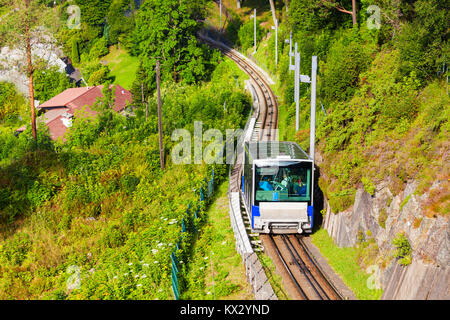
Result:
{"points": [[298, 268]]}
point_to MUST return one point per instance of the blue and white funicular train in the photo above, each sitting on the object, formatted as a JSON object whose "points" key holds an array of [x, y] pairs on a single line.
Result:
{"points": [[277, 187]]}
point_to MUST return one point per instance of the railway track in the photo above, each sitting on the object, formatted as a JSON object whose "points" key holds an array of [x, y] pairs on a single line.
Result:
{"points": [[299, 270], [304, 278]]}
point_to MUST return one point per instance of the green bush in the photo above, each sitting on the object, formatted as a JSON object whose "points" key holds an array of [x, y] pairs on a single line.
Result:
{"points": [[347, 58], [129, 183], [246, 34], [75, 50], [404, 250], [369, 187], [423, 42], [99, 48], [114, 237], [15, 250]]}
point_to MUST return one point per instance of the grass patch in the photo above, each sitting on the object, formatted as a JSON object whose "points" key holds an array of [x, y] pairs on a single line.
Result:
{"points": [[274, 278], [343, 262], [215, 254], [123, 66]]}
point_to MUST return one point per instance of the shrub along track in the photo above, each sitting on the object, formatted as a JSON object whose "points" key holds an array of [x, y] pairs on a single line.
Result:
{"points": [[301, 274]]}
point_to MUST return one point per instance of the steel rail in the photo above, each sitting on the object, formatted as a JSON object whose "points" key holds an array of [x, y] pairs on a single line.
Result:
{"points": [[320, 292], [291, 275], [318, 269]]}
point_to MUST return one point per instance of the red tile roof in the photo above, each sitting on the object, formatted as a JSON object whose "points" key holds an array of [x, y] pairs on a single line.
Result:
{"points": [[57, 128], [75, 99], [64, 98]]}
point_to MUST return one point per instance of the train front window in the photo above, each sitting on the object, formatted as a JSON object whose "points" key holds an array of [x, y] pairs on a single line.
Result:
{"points": [[291, 181]]}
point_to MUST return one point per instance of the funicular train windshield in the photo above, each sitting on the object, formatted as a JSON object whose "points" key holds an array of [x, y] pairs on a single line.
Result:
{"points": [[288, 181]]}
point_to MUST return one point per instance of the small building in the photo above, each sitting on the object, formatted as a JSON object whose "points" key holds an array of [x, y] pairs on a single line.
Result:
{"points": [[60, 109]]}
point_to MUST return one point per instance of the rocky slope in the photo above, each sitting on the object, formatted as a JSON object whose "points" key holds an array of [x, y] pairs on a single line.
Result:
{"points": [[13, 61], [382, 217]]}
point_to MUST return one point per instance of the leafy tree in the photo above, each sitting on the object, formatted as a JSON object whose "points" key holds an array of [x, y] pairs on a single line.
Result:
{"points": [[75, 51], [93, 12], [166, 30], [246, 34], [314, 15], [99, 48], [347, 58], [120, 21], [423, 42], [17, 27], [49, 82], [143, 86]]}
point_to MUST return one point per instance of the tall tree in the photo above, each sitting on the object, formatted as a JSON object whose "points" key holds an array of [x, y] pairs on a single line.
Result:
{"points": [[272, 8], [19, 28], [166, 30]]}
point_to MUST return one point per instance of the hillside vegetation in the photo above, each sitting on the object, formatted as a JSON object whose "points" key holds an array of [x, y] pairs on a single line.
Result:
{"points": [[382, 103], [95, 217]]}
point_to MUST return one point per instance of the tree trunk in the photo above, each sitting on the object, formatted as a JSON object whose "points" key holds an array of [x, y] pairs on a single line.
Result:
{"points": [[30, 71], [238, 4], [272, 8], [161, 147], [354, 11]]}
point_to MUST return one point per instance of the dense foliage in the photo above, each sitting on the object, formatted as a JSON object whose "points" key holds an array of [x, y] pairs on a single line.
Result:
{"points": [[98, 209], [49, 82], [376, 88], [166, 31], [12, 104]]}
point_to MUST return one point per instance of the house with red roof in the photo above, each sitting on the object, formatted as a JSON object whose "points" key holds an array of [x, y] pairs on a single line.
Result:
{"points": [[60, 109]]}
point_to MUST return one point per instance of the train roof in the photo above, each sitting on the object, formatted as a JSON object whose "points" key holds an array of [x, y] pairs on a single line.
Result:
{"points": [[276, 150]]}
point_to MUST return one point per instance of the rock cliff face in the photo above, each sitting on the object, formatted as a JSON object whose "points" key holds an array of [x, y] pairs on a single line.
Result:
{"points": [[13, 61], [384, 216]]}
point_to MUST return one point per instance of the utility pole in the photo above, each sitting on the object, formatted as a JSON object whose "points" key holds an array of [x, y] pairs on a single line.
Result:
{"points": [[220, 15], [312, 136], [276, 42], [297, 88], [299, 78], [272, 8], [254, 35], [161, 147], [291, 53]]}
